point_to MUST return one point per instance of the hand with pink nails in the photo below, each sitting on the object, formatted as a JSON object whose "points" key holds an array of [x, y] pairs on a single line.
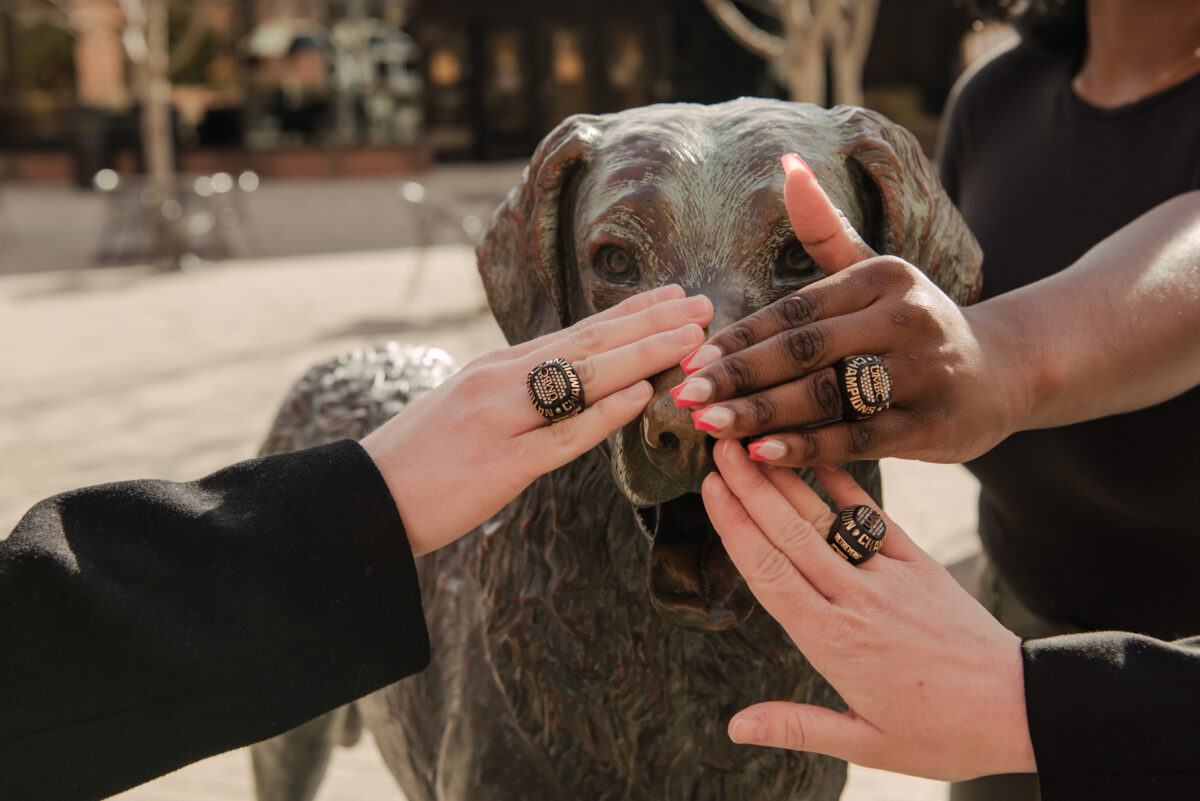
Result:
{"points": [[934, 684], [772, 372], [963, 378], [483, 440]]}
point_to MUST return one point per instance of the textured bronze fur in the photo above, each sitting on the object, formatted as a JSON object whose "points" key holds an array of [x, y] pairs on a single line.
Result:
{"points": [[553, 677]]}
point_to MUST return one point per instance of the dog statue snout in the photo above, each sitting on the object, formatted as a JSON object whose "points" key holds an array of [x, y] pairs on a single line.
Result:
{"points": [[677, 449]]}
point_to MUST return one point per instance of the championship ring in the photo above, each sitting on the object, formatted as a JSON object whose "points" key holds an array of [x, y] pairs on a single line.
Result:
{"points": [[857, 533], [865, 385], [555, 390]]}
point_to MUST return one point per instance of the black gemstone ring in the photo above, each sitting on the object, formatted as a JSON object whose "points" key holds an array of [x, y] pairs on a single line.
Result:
{"points": [[865, 385], [555, 390], [857, 533]]}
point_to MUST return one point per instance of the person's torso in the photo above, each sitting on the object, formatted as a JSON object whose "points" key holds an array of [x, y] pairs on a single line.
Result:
{"points": [[1092, 522]]}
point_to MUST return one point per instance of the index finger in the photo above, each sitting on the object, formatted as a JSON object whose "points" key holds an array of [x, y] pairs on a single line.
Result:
{"points": [[771, 575], [641, 302]]}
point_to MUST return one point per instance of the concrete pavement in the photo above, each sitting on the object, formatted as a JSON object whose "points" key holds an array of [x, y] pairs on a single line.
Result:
{"points": [[126, 373]]}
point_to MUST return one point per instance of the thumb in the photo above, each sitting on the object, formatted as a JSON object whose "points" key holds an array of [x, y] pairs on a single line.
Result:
{"points": [[819, 226], [801, 727]]}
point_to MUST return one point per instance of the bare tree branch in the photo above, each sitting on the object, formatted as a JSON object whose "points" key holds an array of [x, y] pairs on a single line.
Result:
{"points": [[762, 44], [193, 36]]}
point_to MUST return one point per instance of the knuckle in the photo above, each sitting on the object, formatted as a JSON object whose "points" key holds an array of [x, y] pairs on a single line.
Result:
{"points": [[844, 630], [793, 732], [804, 345], [798, 310], [735, 375], [825, 395], [759, 410], [586, 370], [738, 336], [807, 447], [562, 433], [793, 534], [588, 338], [861, 437], [876, 602], [894, 268], [773, 570]]}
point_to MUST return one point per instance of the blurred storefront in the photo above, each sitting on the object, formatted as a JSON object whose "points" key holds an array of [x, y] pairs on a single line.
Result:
{"points": [[498, 76], [329, 86]]}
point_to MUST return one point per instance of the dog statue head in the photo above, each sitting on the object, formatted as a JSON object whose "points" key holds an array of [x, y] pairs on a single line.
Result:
{"points": [[615, 204]]}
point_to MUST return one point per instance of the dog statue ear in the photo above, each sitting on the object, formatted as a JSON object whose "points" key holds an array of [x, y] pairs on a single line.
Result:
{"points": [[918, 222], [519, 259]]}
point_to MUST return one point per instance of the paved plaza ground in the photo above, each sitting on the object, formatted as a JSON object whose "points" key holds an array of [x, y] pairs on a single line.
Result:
{"points": [[125, 373]]}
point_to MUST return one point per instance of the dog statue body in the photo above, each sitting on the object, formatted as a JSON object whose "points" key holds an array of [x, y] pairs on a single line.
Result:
{"points": [[593, 640]]}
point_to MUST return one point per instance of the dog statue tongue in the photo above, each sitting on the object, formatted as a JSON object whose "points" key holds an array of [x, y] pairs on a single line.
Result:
{"points": [[691, 579]]}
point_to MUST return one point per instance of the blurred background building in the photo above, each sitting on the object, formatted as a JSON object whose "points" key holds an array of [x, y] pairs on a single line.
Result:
{"points": [[315, 87]]}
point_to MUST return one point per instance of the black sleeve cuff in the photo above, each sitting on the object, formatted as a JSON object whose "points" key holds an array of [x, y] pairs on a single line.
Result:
{"points": [[1114, 716]]}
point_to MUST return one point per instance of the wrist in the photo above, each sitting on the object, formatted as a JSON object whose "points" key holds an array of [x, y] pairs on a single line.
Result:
{"points": [[1012, 374], [1017, 744]]}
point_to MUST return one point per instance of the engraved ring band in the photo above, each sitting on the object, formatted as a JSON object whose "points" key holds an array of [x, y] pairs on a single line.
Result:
{"points": [[555, 390]]}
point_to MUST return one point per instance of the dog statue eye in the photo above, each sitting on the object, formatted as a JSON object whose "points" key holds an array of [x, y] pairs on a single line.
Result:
{"points": [[793, 265], [616, 265]]}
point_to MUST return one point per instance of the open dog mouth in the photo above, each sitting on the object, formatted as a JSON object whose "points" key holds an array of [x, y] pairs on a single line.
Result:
{"points": [[692, 582]]}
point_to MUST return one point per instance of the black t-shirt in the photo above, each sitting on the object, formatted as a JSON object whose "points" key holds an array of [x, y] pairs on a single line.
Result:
{"points": [[1091, 523]]}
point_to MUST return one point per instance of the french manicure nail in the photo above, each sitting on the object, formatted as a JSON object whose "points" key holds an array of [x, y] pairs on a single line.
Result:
{"points": [[712, 418], [703, 356], [767, 450], [792, 162], [692, 392]]}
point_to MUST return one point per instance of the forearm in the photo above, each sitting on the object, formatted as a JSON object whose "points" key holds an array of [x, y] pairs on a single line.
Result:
{"points": [[1118, 330], [149, 624]]}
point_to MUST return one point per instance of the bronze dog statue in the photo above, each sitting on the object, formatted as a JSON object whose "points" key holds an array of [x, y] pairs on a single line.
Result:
{"points": [[593, 639]]}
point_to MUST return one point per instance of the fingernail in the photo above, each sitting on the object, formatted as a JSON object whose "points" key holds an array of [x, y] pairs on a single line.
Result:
{"points": [[766, 450], [642, 390], [697, 307], [748, 730], [692, 392], [712, 418], [702, 356], [792, 162], [688, 334]]}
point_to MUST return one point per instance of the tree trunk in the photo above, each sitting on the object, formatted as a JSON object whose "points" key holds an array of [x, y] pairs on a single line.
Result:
{"points": [[804, 38], [852, 43], [812, 29]]}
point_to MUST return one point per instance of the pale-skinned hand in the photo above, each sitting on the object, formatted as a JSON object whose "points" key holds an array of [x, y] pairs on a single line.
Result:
{"points": [[461, 452], [957, 388], [934, 684]]}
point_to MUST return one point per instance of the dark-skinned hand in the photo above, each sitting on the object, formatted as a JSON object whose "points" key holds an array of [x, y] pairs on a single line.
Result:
{"points": [[771, 373]]}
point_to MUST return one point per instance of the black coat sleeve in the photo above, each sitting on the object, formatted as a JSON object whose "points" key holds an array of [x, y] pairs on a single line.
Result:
{"points": [[145, 625], [1114, 716]]}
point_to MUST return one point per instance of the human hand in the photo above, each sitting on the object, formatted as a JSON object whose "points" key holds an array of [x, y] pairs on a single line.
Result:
{"points": [[458, 454], [956, 391], [934, 683]]}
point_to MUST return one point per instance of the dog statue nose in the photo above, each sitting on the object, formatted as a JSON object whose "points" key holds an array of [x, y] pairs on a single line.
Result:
{"points": [[677, 449]]}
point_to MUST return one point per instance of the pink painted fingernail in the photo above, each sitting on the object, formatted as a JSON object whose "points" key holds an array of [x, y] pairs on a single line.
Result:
{"points": [[712, 418], [792, 162], [692, 392], [702, 356], [766, 450]]}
